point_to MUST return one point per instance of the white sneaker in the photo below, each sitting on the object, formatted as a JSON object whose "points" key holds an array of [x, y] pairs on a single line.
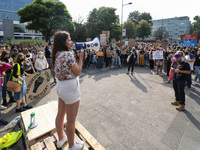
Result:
{"points": [[193, 83], [77, 146], [3, 107], [62, 142]]}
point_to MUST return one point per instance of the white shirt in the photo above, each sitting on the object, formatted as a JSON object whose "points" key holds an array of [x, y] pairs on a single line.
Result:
{"points": [[187, 57], [41, 64]]}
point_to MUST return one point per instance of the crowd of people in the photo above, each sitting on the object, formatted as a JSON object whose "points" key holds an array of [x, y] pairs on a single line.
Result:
{"points": [[15, 64]]}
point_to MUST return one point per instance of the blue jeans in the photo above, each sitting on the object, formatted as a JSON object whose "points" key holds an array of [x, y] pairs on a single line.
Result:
{"points": [[189, 80], [197, 68], [119, 60], [4, 88], [0, 99]]}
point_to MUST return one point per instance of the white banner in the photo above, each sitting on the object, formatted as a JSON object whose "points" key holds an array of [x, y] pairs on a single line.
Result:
{"points": [[157, 55], [124, 32]]}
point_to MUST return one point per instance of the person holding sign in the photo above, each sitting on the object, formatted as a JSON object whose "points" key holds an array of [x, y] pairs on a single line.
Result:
{"points": [[131, 63], [67, 70], [159, 63]]}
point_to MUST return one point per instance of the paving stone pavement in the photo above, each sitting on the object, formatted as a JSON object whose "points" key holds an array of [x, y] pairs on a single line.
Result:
{"points": [[125, 112]]}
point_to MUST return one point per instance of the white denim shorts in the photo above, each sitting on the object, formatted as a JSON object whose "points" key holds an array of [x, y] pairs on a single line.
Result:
{"points": [[69, 90]]}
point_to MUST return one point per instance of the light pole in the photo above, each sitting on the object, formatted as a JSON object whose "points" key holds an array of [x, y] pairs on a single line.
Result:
{"points": [[122, 17]]}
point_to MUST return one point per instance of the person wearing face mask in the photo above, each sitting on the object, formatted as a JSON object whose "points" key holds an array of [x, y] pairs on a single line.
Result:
{"points": [[41, 62], [5, 57], [28, 66], [18, 75]]}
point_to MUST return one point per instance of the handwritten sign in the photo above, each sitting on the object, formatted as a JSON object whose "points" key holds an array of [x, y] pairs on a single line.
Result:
{"points": [[38, 85], [157, 55], [103, 39]]}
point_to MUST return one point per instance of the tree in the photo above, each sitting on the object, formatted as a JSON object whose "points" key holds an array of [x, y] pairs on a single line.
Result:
{"points": [[161, 33], [46, 17], [143, 29], [130, 29], [136, 17], [195, 27], [101, 19], [80, 33]]}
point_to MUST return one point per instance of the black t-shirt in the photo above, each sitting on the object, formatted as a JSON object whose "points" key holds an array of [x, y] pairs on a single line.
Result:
{"points": [[197, 60], [181, 66]]}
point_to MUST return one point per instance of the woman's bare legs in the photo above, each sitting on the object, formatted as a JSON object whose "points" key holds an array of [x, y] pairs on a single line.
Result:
{"points": [[71, 111], [60, 118]]}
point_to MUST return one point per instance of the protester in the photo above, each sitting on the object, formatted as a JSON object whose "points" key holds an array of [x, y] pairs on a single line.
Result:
{"points": [[181, 70], [18, 75], [68, 88], [5, 57], [159, 63], [3, 67], [41, 62], [131, 62], [141, 57], [118, 57], [197, 67], [28, 65], [48, 53], [108, 57], [151, 61], [14, 54], [189, 57]]}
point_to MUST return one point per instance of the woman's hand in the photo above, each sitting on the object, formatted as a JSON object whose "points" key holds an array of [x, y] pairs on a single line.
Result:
{"points": [[20, 78]]}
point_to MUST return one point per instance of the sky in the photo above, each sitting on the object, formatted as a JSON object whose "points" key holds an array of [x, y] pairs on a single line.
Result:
{"points": [[157, 8]]}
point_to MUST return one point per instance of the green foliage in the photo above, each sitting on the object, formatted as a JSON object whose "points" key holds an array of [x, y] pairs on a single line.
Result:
{"points": [[143, 29], [130, 29], [46, 17], [136, 17], [39, 42], [195, 27], [8, 42], [161, 33], [105, 19]]}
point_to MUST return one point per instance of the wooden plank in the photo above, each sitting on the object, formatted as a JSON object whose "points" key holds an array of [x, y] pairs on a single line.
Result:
{"points": [[45, 115], [88, 137], [37, 146], [49, 142]]}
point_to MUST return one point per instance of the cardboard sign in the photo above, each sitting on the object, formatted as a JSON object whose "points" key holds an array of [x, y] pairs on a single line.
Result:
{"points": [[199, 44], [131, 43], [107, 33], [15, 42], [88, 39], [25, 44], [157, 55], [32, 44], [38, 85], [126, 43], [103, 39]]}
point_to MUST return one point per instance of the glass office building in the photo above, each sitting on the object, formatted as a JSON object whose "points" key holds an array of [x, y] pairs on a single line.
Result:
{"points": [[8, 11], [175, 26]]}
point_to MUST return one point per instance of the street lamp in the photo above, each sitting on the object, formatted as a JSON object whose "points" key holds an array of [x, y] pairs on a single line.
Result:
{"points": [[122, 16]]}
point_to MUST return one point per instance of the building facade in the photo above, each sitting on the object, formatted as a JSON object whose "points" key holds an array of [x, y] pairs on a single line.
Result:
{"points": [[175, 27], [8, 11]]}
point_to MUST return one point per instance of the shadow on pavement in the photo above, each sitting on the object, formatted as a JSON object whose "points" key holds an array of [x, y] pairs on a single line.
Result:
{"points": [[195, 122], [138, 84]]}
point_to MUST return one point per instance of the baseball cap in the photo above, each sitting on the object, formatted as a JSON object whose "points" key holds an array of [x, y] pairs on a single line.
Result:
{"points": [[177, 55]]}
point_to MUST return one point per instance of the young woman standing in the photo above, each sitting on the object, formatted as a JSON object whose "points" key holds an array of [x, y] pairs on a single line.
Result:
{"points": [[68, 88]]}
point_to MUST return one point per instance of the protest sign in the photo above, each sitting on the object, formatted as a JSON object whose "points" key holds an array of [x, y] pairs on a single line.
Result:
{"points": [[124, 32], [126, 43], [131, 43], [189, 40], [25, 44], [103, 39], [157, 55], [38, 85], [107, 33], [15, 42]]}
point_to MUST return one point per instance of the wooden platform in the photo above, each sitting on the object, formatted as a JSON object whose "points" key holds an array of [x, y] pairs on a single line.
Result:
{"points": [[44, 136]]}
